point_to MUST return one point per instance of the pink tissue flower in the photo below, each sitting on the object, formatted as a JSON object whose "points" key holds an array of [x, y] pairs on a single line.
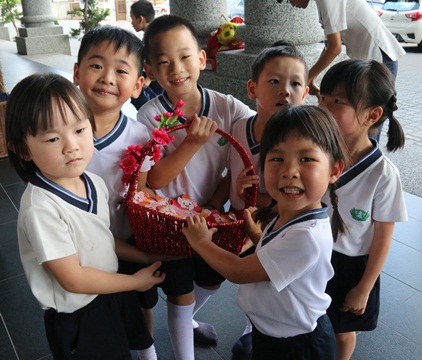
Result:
{"points": [[161, 136], [180, 103], [156, 155], [129, 165], [136, 149]]}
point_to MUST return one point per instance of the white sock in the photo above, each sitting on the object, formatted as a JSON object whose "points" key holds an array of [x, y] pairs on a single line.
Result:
{"points": [[179, 319], [201, 297], [248, 327], [147, 354]]}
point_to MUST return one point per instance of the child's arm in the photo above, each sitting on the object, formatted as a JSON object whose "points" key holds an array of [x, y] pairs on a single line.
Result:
{"points": [[233, 268], [86, 280], [128, 252], [357, 297], [198, 133]]}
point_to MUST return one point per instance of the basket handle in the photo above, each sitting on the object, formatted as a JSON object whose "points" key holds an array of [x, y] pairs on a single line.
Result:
{"points": [[251, 193]]}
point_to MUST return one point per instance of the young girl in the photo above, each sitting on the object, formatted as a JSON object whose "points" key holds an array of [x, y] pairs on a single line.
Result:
{"points": [[284, 281], [67, 250], [361, 96], [279, 75]]}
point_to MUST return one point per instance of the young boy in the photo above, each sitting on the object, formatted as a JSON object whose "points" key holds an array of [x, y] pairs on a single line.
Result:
{"points": [[108, 72], [66, 247], [279, 77], [142, 13], [193, 164]]}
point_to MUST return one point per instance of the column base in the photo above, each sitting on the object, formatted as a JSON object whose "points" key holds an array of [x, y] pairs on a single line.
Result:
{"points": [[43, 40]]}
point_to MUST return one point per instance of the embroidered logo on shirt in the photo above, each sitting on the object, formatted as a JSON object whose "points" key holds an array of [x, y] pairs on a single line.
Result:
{"points": [[222, 141], [359, 215]]}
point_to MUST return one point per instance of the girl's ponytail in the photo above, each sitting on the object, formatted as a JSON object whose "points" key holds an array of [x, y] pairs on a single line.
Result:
{"points": [[395, 131], [337, 223], [265, 214]]}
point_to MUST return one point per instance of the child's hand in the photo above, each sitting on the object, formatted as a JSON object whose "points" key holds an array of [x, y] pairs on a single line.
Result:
{"points": [[197, 230], [245, 181], [200, 130], [253, 228], [149, 276], [355, 301]]}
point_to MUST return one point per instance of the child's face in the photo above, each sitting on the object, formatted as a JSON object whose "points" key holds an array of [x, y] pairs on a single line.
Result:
{"points": [[62, 152], [108, 78], [176, 62], [350, 121], [282, 81], [138, 23], [297, 173]]}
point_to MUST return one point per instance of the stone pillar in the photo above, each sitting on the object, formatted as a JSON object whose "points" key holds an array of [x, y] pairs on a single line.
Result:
{"points": [[39, 34], [205, 15], [266, 21]]}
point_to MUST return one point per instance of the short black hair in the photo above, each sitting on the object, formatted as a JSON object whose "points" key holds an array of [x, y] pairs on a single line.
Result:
{"points": [[116, 36], [165, 23], [281, 48], [30, 109], [143, 8]]}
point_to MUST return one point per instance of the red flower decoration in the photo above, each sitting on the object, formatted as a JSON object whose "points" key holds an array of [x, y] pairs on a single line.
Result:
{"points": [[129, 165], [156, 155], [161, 136], [135, 149]]}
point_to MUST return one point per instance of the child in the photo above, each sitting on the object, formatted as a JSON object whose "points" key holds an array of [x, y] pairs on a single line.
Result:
{"points": [[193, 164], [108, 72], [66, 247], [142, 13], [361, 96], [279, 77], [284, 280]]}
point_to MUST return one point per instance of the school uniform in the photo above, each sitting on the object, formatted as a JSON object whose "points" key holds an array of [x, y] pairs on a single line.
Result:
{"points": [[54, 223], [200, 177], [368, 191], [109, 151], [292, 305]]}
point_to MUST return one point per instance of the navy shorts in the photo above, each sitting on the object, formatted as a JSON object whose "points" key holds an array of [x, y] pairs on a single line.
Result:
{"points": [[347, 273], [319, 344], [107, 328], [181, 274]]}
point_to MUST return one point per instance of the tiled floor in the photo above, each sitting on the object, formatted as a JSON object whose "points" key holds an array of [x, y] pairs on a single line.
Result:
{"points": [[399, 334]]}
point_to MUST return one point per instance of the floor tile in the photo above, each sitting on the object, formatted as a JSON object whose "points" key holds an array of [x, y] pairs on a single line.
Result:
{"points": [[404, 264], [407, 318], [393, 294], [8, 212], [385, 344], [6, 348], [409, 233], [10, 263], [24, 319]]}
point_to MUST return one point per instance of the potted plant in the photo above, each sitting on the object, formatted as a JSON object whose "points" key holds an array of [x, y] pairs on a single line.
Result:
{"points": [[91, 15]]}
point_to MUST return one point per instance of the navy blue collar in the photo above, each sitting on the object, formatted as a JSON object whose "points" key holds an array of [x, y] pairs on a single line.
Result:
{"points": [[270, 234], [113, 135], [88, 205], [350, 173], [205, 106], [252, 143]]}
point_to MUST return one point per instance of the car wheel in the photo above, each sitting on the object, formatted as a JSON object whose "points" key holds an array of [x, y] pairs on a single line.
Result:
{"points": [[420, 46]]}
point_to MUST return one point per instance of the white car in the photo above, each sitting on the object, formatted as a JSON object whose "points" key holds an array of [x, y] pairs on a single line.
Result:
{"points": [[404, 20]]}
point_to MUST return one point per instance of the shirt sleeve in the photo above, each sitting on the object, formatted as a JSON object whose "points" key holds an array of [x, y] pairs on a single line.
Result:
{"points": [[332, 15]]}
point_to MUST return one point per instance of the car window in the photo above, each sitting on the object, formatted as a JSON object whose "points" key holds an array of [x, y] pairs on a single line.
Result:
{"points": [[401, 5]]}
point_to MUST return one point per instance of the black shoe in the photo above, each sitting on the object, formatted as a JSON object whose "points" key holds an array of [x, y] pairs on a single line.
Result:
{"points": [[205, 334], [243, 346]]}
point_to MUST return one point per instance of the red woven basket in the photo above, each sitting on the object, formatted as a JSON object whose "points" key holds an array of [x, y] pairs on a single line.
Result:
{"points": [[160, 233]]}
